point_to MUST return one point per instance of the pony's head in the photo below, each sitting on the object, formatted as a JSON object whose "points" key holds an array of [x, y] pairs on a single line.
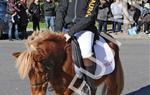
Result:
{"points": [[44, 55]]}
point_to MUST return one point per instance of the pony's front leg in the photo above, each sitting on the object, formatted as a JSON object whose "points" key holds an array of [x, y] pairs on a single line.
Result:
{"points": [[58, 86], [59, 90]]}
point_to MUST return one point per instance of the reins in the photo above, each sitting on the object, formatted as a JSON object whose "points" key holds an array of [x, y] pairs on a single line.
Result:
{"points": [[41, 83]]}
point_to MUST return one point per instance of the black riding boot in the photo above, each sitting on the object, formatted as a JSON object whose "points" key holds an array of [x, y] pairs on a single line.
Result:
{"points": [[90, 67]]}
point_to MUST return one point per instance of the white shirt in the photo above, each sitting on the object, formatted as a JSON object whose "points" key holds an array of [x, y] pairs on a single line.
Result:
{"points": [[117, 9]]}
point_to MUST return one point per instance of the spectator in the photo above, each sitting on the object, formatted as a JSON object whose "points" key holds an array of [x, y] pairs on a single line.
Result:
{"points": [[126, 17], [13, 19], [49, 14], [144, 2], [23, 22], [35, 12], [102, 16], [136, 15], [117, 12], [146, 17]]}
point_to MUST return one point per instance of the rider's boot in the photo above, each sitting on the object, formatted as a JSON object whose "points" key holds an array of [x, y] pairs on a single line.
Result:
{"points": [[90, 67]]}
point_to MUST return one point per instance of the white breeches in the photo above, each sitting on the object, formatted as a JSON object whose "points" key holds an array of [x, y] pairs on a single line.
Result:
{"points": [[85, 40]]}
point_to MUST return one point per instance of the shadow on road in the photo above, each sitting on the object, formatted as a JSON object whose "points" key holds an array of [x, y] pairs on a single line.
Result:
{"points": [[142, 91]]}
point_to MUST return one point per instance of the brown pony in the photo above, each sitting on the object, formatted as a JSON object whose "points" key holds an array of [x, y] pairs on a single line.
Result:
{"points": [[47, 61]]}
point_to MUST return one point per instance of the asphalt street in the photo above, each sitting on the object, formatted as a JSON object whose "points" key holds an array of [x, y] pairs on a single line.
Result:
{"points": [[135, 57]]}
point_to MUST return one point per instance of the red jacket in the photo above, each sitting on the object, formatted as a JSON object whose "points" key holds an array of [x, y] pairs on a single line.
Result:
{"points": [[12, 7]]}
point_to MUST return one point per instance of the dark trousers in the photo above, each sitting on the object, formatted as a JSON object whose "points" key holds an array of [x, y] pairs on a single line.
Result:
{"points": [[146, 26], [36, 23], [13, 29], [102, 26], [117, 25], [23, 30]]}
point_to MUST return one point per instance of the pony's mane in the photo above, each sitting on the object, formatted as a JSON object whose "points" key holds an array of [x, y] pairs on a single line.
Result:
{"points": [[38, 37], [26, 60]]}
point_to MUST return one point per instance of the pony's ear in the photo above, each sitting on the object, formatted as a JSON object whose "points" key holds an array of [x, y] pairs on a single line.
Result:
{"points": [[16, 54]]}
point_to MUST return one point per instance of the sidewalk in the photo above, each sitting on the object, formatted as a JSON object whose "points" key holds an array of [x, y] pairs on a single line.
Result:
{"points": [[141, 35]]}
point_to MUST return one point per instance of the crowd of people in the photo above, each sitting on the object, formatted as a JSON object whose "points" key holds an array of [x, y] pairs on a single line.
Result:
{"points": [[128, 13], [19, 15], [115, 12], [77, 19], [17, 18]]}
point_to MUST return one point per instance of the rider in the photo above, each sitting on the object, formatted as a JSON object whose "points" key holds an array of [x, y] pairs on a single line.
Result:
{"points": [[78, 16]]}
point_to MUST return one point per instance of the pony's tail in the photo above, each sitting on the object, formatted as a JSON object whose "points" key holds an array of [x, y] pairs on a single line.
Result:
{"points": [[115, 81]]}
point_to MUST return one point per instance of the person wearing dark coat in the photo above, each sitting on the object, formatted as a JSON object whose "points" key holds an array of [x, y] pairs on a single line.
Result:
{"points": [[35, 12], [23, 21], [102, 15]]}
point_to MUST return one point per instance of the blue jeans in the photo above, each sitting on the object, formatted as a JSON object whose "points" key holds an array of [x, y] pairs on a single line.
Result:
{"points": [[50, 22], [11, 30], [117, 25], [102, 26]]}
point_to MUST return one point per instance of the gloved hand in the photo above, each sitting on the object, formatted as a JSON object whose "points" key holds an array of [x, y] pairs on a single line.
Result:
{"points": [[67, 36]]}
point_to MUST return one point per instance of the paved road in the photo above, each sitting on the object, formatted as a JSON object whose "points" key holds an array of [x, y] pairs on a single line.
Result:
{"points": [[135, 59]]}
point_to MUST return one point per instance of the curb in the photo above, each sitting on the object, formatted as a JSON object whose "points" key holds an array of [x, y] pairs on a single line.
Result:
{"points": [[122, 35], [126, 36]]}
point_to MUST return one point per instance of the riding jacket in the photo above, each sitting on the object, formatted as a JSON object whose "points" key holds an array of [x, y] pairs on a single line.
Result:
{"points": [[76, 15]]}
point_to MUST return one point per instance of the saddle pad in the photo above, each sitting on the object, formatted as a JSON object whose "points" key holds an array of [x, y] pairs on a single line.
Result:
{"points": [[104, 58]]}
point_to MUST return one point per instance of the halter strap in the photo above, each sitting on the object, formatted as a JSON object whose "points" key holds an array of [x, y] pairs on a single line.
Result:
{"points": [[68, 45], [41, 83]]}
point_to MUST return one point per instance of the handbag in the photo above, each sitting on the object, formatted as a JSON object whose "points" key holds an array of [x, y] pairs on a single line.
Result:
{"points": [[132, 30]]}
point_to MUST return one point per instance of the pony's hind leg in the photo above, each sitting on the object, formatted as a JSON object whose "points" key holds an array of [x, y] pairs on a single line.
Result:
{"points": [[111, 86], [115, 80]]}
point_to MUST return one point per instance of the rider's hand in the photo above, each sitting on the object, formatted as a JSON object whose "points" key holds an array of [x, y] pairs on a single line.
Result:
{"points": [[67, 36]]}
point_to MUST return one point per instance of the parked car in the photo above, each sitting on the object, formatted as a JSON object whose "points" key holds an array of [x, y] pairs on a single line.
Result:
{"points": [[3, 18]]}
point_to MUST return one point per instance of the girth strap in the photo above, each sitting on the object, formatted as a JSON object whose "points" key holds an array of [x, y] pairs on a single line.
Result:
{"points": [[76, 54]]}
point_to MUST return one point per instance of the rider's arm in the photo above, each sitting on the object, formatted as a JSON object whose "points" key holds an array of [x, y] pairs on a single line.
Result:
{"points": [[60, 14], [90, 17]]}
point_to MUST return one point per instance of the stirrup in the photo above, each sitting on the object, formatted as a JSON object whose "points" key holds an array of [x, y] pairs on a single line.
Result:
{"points": [[79, 74], [86, 90], [82, 89]]}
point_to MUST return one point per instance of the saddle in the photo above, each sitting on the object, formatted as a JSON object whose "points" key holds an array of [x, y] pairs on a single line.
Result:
{"points": [[76, 52], [104, 57]]}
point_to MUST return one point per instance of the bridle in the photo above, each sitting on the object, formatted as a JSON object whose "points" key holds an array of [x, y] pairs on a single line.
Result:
{"points": [[43, 82], [46, 79]]}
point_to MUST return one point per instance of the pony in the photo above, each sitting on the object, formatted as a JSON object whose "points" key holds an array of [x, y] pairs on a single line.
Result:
{"points": [[48, 63]]}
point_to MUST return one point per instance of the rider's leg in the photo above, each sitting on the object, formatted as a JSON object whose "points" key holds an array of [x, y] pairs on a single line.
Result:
{"points": [[90, 67], [85, 40]]}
